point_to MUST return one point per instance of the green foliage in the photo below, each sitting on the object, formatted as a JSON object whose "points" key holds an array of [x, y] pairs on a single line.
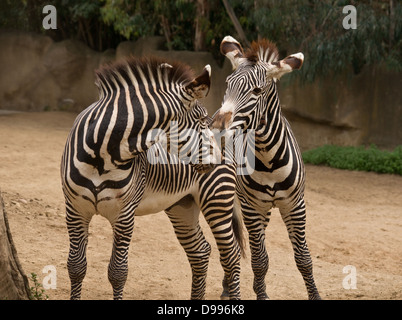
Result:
{"points": [[311, 26], [315, 28], [19, 15], [85, 10], [77, 19], [37, 291], [127, 18], [356, 158]]}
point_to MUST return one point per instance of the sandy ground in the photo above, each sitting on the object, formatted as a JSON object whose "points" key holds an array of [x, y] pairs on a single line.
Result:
{"points": [[354, 219]]}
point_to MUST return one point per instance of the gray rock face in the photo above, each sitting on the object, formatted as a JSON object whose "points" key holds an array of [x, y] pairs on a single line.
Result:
{"points": [[38, 74]]}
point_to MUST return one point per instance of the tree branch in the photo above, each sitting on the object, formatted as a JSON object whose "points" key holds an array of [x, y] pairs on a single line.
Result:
{"points": [[236, 22]]}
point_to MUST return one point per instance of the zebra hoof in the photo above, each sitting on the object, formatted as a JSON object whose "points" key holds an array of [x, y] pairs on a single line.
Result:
{"points": [[225, 295], [314, 297], [263, 297]]}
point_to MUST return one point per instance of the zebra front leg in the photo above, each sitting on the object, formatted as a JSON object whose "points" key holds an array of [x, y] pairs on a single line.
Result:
{"points": [[256, 224], [184, 216], [259, 263], [77, 263], [295, 221], [225, 288], [118, 265]]}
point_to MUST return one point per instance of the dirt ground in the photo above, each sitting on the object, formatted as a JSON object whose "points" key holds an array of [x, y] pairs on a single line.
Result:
{"points": [[354, 219]]}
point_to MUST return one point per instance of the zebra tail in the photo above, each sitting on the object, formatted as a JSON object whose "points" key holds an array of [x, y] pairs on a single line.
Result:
{"points": [[238, 227]]}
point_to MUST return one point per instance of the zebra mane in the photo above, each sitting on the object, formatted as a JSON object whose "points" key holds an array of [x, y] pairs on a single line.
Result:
{"points": [[262, 50], [172, 71]]}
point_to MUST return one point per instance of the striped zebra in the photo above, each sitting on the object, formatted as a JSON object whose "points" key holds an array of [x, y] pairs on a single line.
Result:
{"points": [[104, 167], [278, 177], [182, 193]]}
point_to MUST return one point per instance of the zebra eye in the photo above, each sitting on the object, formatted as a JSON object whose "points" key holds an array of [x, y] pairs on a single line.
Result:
{"points": [[257, 91]]}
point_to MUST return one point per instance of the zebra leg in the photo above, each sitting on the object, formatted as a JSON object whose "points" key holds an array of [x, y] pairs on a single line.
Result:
{"points": [[216, 199], [118, 265], [184, 216], [77, 227], [295, 221], [256, 224], [229, 255]]}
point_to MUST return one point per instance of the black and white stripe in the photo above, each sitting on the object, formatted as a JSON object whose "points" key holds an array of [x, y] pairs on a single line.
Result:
{"points": [[183, 192], [278, 178], [105, 169]]}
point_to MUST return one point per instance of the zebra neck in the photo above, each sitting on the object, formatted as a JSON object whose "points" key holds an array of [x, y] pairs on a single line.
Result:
{"points": [[270, 138], [114, 133]]}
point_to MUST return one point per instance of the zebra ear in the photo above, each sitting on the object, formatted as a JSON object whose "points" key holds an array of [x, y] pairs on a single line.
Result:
{"points": [[199, 87], [281, 67], [233, 50]]}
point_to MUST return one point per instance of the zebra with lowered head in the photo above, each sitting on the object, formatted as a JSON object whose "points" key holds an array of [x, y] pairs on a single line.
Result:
{"points": [[277, 178], [104, 163], [182, 193]]}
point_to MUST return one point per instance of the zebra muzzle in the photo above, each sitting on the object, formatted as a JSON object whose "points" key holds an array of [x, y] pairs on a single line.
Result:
{"points": [[221, 120]]}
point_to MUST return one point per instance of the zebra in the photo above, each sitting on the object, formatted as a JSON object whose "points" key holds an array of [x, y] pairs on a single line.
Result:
{"points": [[182, 192], [251, 102], [104, 162]]}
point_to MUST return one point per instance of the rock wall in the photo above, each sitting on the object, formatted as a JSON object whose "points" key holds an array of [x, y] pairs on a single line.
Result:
{"points": [[344, 110], [38, 74], [153, 46]]}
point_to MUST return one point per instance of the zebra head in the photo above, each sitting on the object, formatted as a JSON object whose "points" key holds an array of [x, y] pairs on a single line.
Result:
{"points": [[200, 146], [197, 143], [143, 97], [188, 137], [251, 84], [191, 140]]}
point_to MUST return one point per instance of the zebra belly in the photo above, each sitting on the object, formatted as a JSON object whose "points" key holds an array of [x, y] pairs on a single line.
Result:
{"points": [[102, 196], [157, 201]]}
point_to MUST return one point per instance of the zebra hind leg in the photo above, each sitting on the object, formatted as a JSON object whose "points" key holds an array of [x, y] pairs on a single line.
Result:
{"points": [[229, 257], [295, 222], [184, 216], [77, 263], [118, 265]]}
